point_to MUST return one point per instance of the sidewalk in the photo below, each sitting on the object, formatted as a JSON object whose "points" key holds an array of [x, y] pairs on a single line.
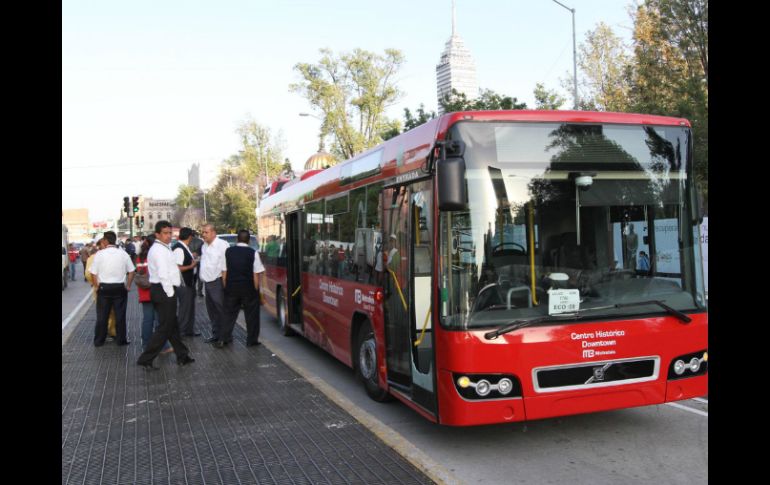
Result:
{"points": [[237, 415]]}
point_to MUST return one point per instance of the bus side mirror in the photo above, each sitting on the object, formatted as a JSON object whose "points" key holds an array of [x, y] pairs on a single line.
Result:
{"points": [[451, 184]]}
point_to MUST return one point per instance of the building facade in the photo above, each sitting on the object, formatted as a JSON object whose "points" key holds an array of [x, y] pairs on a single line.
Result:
{"points": [[456, 69], [155, 210], [78, 225]]}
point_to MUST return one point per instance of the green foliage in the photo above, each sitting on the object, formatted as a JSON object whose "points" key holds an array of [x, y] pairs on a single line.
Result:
{"points": [[545, 99], [351, 91], [604, 65], [422, 117], [233, 199], [488, 100], [188, 196], [670, 75]]}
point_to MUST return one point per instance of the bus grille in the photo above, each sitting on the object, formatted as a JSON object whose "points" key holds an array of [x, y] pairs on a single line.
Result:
{"points": [[595, 374]]}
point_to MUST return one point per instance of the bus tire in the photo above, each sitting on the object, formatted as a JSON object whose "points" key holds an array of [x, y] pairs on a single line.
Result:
{"points": [[366, 363], [283, 315]]}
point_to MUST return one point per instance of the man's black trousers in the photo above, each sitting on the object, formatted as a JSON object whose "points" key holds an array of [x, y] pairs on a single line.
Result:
{"points": [[234, 302], [168, 327], [109, 296]]}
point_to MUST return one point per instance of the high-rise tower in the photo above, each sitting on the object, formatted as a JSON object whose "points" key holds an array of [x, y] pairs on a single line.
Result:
{"points": [[456, 69]]}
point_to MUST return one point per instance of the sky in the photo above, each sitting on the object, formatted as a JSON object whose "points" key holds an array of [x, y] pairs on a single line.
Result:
{"points": [[149, 88]]}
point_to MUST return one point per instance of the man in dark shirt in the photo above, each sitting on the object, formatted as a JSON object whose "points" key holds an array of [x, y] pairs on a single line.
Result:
{"points": [[186, 293], [241, 282], [195, 246]]}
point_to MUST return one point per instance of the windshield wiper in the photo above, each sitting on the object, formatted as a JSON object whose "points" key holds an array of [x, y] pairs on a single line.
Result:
{"points": [[517, 324], [681, 316]]}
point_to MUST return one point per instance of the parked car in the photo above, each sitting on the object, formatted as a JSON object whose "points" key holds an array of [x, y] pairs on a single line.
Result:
{"points": [[232, 238]]}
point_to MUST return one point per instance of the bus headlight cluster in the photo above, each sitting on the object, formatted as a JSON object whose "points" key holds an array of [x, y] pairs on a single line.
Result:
{"points": [[689, 365], [487, 386]]}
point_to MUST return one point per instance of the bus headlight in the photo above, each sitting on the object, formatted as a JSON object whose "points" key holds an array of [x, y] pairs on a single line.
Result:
{"points": [[689, 365], [505, 385], [694, 364], [679, 367], [483, 387], [463, 382]]}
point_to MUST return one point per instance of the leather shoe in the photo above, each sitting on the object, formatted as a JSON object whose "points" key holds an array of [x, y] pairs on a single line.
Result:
{"points": [[211, 339], [250, 344], [185, 360], [125, 342], [219, 344], [194, 334], [147, 366]]}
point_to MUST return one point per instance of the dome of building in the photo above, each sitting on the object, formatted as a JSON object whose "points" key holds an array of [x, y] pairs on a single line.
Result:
{"points": [[320, 160]]}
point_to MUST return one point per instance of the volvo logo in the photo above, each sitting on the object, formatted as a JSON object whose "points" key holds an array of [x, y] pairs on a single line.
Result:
{"points": [[599, 372]]}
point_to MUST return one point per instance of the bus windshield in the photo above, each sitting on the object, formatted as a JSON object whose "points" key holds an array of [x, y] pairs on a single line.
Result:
{"points": [[567, 217]]}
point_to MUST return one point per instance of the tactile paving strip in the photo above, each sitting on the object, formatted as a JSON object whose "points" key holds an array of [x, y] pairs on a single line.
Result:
{"points": [[238, 415]]}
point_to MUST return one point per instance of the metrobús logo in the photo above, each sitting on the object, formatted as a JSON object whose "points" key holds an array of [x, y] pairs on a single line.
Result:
{"points": [[361, 298]]}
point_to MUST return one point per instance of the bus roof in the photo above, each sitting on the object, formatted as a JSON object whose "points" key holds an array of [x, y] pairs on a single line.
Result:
{"points": [[408, 151]]}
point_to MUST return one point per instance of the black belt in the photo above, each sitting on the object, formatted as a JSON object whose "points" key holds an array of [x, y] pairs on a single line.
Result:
{"points": [[213, 281]]}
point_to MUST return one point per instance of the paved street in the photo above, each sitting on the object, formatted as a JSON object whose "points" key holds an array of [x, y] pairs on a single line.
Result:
{"points": [[237, 415]]}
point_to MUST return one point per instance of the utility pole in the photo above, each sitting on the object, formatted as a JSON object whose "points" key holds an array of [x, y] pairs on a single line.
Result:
{"points": [[574, 53]]}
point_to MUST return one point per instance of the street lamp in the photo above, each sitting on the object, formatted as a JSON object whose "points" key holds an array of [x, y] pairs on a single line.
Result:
{"points": [[574, 51]]}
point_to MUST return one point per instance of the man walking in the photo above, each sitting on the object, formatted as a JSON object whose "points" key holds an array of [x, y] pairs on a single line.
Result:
{"points": [[211, 267], [186, 294], [165, 280], [112, 272], [241, 281]]}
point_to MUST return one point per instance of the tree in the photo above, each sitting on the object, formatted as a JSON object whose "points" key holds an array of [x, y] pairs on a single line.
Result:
{"points": [[545, 99], [671, 69], [488, 100], [351, 91], [604, 65], [422, 117], [188, 196]]}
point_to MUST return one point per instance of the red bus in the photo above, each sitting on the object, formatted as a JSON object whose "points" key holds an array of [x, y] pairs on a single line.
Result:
{"points": [[497, 266]]}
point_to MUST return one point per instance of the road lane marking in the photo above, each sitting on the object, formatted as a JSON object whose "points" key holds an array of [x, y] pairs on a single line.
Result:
{"points": [[698, 399], [685, 408], [74, 312]]}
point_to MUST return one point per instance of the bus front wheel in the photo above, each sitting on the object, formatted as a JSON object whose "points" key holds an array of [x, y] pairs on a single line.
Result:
{"points": [[283, 315], [366, 368]]}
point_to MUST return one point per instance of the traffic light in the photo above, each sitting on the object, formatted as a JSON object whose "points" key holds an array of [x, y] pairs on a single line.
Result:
{"points": [[136, 221], [126, 207], [135, 204], [141, 221]]}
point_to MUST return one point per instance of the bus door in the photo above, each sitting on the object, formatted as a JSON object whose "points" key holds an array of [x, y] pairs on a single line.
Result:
{"points": [[294, 269], [407, 225]]}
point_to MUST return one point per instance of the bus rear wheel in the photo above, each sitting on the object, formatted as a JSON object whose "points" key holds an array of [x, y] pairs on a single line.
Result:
{"points": [[283, 315], [366, 363]]}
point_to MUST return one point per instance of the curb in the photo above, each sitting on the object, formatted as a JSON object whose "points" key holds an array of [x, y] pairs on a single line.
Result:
{"points": [[392, 438], [75, 317]]}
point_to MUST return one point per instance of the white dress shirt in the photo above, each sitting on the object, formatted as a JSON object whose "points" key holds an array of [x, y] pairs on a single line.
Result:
{"points": [[163, 268], [111, 265], [213, 260], [258, 267], [179, 253]]}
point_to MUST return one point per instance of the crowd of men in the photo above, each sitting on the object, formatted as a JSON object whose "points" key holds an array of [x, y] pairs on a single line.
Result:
{"points": [[175, 275]]}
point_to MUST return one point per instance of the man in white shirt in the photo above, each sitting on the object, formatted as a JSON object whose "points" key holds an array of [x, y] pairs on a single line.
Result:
{"points": [[241, 282], [113, 273], [164, 281], [210, 271]]}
